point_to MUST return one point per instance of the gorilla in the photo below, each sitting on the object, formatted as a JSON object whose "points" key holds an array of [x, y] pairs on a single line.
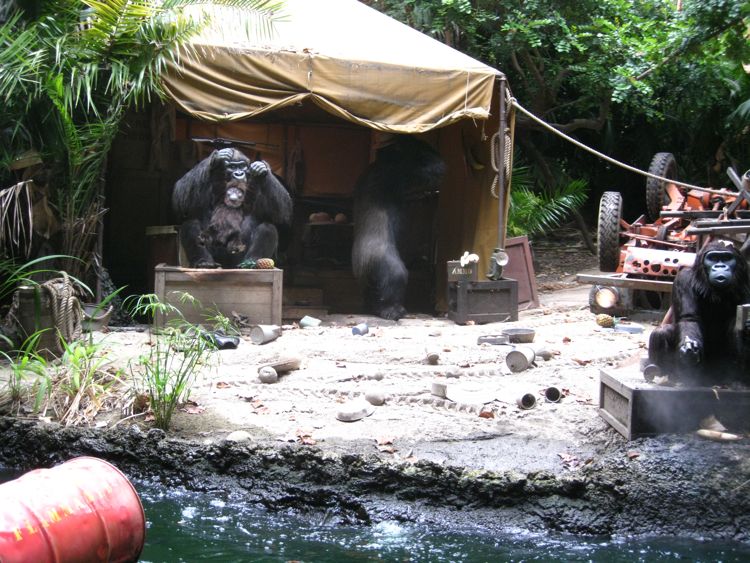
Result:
{"points": [[231, 210], [700, 342], [402, 169]]}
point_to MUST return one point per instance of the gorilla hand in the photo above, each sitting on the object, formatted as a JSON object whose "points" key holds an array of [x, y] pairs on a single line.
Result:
{"points": [[221, 157], [690, 351], [258, 169]]}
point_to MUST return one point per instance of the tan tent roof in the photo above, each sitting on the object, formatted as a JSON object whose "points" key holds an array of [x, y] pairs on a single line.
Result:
{"points": [[347, 58]]}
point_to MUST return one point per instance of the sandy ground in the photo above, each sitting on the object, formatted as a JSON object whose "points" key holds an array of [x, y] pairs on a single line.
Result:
{"points": [[478, 424]]}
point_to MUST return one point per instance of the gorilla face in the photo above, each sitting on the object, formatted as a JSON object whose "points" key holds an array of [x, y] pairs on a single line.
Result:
{"points": [[234, 197], [236, 170], [234, 163], [720, 267]]}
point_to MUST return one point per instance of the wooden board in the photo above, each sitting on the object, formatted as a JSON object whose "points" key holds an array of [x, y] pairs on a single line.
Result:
{"points": [[255, 294]]}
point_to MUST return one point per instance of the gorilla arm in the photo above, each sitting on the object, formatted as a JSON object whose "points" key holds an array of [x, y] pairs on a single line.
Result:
{"points": [[273, 203], [273, 206]]}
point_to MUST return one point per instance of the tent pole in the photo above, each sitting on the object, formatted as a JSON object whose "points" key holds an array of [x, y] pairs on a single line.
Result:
{"points": [[499, 257]]}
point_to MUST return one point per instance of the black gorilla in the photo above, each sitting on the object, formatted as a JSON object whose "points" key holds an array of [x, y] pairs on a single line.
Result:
{"points": [[401, 169], [700, 342], [230, 209]]}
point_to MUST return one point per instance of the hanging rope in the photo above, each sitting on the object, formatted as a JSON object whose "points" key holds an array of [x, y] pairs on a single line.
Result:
{"points": [[609, 159]]}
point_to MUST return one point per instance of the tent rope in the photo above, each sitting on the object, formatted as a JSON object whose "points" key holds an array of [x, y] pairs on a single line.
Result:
{"points": [[609, 159]]}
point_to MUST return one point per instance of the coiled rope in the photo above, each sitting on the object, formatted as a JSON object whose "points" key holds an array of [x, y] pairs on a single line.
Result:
{"points": [[67, 313]]}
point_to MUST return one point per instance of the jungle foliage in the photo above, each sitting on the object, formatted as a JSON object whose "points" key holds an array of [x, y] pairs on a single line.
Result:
{"points": [[630, 78], [69, 70]]}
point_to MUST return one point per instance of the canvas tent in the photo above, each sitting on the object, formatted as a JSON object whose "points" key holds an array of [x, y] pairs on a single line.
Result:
{"points": [[332, 76], [348, 59]]}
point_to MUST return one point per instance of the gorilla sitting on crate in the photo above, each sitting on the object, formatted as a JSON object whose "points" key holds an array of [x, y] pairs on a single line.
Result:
{"points": [[402, 168], [230, 209], [699, 341]]}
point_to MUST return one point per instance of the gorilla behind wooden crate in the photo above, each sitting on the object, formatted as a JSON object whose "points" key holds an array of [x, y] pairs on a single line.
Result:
{"points": [[231, 210], [401, 171], [701, 343]]}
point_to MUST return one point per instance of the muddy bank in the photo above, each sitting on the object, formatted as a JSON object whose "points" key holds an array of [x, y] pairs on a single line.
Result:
{"points": [[671, 485]]}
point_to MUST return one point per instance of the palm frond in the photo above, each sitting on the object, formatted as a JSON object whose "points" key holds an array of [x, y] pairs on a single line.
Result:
{"points": [[533, 212]]}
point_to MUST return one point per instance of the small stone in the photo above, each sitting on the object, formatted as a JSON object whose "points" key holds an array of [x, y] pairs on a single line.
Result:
{"points": [[433, 358], [354, 410], [375, 397], [267, 374], [238, 436]]}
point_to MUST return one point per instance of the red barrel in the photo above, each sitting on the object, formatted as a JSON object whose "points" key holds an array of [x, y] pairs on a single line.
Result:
{"points": [[82, 510]]}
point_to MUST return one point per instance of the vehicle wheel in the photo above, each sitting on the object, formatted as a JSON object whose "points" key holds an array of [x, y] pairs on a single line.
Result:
{"points": [[663, 164], [608, 239]]}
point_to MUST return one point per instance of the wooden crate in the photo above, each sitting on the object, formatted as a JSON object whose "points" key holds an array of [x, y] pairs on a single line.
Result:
{"points": [[457, 272], [255, 294], [635, 407], [483, 301]]}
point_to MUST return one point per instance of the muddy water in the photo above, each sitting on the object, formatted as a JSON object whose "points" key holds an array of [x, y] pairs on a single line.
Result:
{"points": [[187, 526]]}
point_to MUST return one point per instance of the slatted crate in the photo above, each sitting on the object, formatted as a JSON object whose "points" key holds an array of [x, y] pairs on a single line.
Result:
{"points": [[254, 294]]}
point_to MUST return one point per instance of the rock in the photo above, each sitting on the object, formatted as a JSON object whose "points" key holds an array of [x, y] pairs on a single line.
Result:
{"points": [[238, 436], [267, 374], [354, 410], [375, 397]]}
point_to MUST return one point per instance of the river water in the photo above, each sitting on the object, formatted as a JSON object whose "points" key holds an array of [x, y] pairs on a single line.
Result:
{"points": [[187, 526]]}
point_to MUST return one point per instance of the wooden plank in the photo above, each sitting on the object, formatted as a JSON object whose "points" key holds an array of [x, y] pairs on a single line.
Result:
{"points": [[621, 280]]}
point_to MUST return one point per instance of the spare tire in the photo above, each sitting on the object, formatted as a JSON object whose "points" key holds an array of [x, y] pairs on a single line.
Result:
{"points": [[663, 164], [608, 232]]}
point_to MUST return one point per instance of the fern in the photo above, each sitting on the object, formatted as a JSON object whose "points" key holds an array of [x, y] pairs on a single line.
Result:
{"points": [[536, 212]]}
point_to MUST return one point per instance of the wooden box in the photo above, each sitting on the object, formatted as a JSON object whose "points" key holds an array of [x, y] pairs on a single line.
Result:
{"points": [[635, 407], [483, 301], [255, 294]]}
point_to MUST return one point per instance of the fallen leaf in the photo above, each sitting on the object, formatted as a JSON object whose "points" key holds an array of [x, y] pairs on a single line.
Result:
{"points": [[566, 340], [194, 409], [222, 385], [388, 449], [569, 461], [632, 454], [486, 414], [581, 362], [304, 436], [384, 440]]}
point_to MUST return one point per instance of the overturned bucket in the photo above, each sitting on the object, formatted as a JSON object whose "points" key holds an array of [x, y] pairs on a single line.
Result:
{"points": [[82, 510]]}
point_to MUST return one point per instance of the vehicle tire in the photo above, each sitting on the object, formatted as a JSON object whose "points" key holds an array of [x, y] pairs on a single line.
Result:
{"points": [[608, 233], [663, 164]]}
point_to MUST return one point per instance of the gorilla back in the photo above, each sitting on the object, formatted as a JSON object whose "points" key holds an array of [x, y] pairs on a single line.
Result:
{"points": [[230, 209], [401, 170]]}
